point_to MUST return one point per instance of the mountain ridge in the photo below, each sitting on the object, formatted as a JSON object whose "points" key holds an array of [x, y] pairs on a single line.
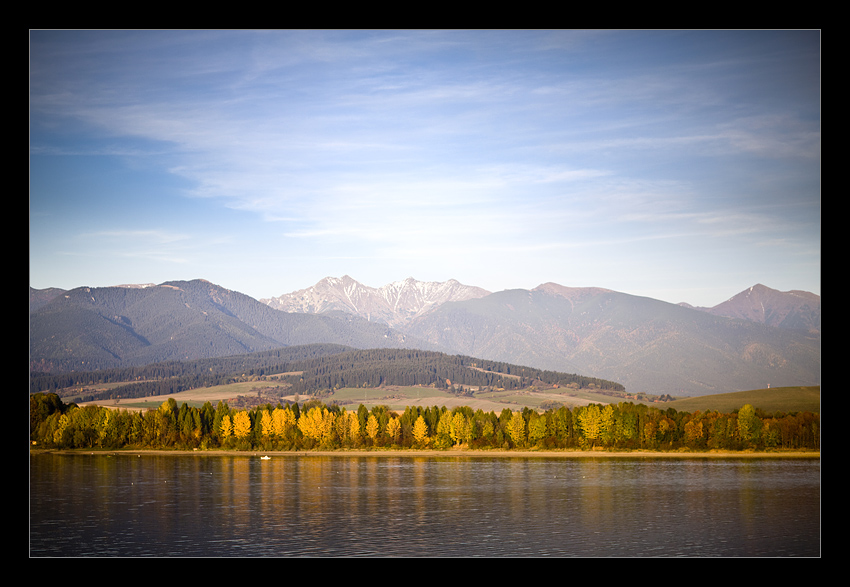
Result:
{"points": [[394, 304], [645, 344], [791, 309], [88, 328]]}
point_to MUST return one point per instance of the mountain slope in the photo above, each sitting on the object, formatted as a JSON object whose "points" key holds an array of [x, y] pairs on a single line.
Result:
{"points": [[647, 345], [394, 304], [91, 328], [40, 297], [791, 309]]}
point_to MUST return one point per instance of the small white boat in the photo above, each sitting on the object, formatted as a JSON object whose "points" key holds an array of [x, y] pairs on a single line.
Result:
{"points": [[265, 458]]}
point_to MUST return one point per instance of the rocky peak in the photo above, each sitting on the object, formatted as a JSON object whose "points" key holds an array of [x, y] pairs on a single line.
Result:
{"points": [[394, 304]]}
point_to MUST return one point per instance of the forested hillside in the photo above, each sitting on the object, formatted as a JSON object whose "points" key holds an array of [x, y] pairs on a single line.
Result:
{"points": [[319, 368]]}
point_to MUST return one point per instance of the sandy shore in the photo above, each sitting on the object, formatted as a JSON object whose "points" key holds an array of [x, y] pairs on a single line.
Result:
{"points": [[453, 453]]}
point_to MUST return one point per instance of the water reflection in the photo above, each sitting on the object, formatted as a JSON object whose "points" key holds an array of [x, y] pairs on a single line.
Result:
{"points": [[99, 505]]}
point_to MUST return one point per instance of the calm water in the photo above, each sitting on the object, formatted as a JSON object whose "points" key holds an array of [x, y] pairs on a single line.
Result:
{"points": [[241, 506]]}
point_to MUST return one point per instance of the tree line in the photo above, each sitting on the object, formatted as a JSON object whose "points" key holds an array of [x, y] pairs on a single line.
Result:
{"points": [[316, 425]]}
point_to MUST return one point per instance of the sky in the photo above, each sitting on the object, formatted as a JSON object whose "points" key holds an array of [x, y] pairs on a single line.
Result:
{"points": [[678, 165]]}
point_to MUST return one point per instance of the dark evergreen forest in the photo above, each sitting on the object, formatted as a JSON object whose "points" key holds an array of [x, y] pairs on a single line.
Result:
{"points": [[321, 368]]}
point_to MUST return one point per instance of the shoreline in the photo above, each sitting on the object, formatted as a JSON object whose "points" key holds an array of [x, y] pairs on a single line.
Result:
{"points": [[441, 453]]}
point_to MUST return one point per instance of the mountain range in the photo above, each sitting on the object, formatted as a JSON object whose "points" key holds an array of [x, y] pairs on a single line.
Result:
{"points": [[758, 338], [395, 304], [97, 328]]}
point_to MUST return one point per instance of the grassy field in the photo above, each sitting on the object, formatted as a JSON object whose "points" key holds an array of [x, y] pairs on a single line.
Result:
{"points": [[780, 399], [395, 397], [775, 399]]}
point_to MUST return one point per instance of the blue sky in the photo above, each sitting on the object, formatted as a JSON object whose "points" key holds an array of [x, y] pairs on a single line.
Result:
{"points": [[679, 165]]}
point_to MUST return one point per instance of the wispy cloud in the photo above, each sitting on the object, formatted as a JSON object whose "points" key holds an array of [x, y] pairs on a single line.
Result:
{"points": [[438, 146]]}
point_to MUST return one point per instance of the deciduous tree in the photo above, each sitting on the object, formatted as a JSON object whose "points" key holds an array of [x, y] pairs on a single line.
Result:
{"points": [[225, 427], [372, 427], [420, 430], [459, 430], [748, 425], [354, 430], [241, 425], [266, 423], [516, 429], [536, 428], [283, 420], [590, 423], [394, 429]]}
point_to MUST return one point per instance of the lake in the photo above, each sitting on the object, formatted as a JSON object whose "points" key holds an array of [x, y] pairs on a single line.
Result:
{"points": [[123, 505]]}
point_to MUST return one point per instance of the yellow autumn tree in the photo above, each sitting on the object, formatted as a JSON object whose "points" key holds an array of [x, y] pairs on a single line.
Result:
{"points": [[308, 425], [64, 420], [372, 427], [282, 421], [241, 425], [341, 425], [394, 429], [354, 432], [590, 422], [516, 429], [459, 430], [317, 424], [607, 428], [420, 430], [266, 423], [693, 433], [226, 427]]}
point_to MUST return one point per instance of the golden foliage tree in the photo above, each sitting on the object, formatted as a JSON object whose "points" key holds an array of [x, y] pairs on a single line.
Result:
{"points": [[283, 420], [372, 427], [607, 429], [354, 432], [693, 433], [226, 427], [241, 425], [590, 422], [420, 430], [60, 428], [317, 424], [459, 430], [516, 429], [266, 423], [394, 429]]}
